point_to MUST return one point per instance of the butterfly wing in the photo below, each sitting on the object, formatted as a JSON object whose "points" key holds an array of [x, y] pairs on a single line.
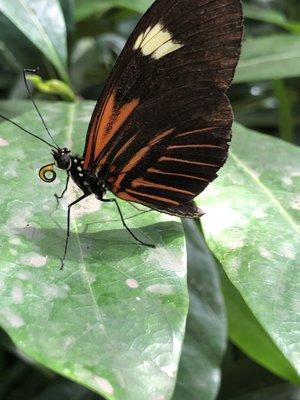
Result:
{"points": [[169, 158], [159, 132]]}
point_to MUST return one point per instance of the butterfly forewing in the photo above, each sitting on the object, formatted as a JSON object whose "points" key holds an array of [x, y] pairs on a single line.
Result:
{"points": [[161, 128]]}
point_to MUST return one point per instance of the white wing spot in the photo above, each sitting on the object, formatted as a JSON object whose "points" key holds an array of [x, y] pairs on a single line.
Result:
{"points": [[157, 41]]}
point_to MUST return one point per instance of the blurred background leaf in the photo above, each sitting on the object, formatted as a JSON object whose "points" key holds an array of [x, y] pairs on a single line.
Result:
{"points": [[35, 19]]}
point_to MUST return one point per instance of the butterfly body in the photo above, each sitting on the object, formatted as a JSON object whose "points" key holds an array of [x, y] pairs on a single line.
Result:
{"points": [[73, 164], [161, 128]]}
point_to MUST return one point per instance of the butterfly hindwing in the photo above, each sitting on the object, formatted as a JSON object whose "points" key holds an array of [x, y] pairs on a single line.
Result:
{"points": [[171, 158], [160, 130]]}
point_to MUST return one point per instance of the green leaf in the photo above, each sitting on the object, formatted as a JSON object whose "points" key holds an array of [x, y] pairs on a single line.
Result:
{"points": [[52, 86], [85, 9], [271, 16], [286, 120], [114, 319], [43, 24], [11, 109], [16, 50], [270, 57], [205, 340], [252, 227]]}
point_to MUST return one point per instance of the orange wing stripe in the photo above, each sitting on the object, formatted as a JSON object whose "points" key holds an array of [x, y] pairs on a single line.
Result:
{"points": [[124, 148], [150, 196], [188, 162], [94, 131], [156, 171], [137, 157], [123, 114], [141, 182], [128, 197], [198, 130], [110, 121], [196, 146]]}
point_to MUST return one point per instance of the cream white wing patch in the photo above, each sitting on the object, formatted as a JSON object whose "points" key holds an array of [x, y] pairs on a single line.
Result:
{"points": [[157, 42]]}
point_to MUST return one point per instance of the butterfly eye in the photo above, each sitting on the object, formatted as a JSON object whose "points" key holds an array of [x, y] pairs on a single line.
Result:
{"points": [[47, 173]]}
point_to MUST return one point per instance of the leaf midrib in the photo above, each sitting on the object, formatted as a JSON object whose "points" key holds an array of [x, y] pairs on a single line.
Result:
{"points": [[99, 317]]}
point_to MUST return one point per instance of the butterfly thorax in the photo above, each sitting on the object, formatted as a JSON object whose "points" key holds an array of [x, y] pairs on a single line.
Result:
{"points": [[88, 183], [73, 164]]}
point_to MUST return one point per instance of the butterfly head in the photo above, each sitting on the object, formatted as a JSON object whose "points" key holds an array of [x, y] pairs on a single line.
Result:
{"points": [[62, 160]]}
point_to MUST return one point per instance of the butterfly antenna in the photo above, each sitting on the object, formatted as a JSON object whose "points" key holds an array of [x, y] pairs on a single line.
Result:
{"points": [[25, 130], [34, 71]]}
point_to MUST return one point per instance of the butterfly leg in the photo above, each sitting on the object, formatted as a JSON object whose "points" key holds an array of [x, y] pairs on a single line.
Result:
{"points": [[69, 225], [125, 225], [139, 209], [59, 197]]}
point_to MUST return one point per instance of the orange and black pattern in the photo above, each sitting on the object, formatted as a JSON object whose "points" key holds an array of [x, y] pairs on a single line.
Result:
{"points": [[161, 128]]}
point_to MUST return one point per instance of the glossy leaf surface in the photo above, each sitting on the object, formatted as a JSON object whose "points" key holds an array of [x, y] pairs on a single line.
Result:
{"points": [[114, 319], [252, 226], [206, 335]]}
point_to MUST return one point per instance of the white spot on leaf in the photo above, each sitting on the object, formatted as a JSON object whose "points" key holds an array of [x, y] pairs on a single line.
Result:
{"points": [[265, 253], [14, 320], [160, 289], [288, 251], [3, 142], [259, 214], [17, 295], [35, 260], [104, 385], [52, 292], [132, 283], [170, 370], [89, 205], [296, 203], [287, 180], [16, 241]]}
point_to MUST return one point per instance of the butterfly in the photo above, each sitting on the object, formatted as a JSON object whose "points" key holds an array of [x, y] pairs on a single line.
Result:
{"points": [[161, 128]]}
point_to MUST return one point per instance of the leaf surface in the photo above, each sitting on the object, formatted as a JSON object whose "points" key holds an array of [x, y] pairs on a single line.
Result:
{"points": [[252, 226], [206, 334], [114, 319]]}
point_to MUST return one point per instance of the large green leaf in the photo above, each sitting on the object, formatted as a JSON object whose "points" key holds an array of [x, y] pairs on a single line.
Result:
{"points": [[205, 338], [85, 9], [252, 227], [43, 24], [270, 57], [114, 319]]}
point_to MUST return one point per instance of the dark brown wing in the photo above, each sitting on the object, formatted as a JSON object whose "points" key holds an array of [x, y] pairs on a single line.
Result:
{"points": [[172, 156], [177, 44]]}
